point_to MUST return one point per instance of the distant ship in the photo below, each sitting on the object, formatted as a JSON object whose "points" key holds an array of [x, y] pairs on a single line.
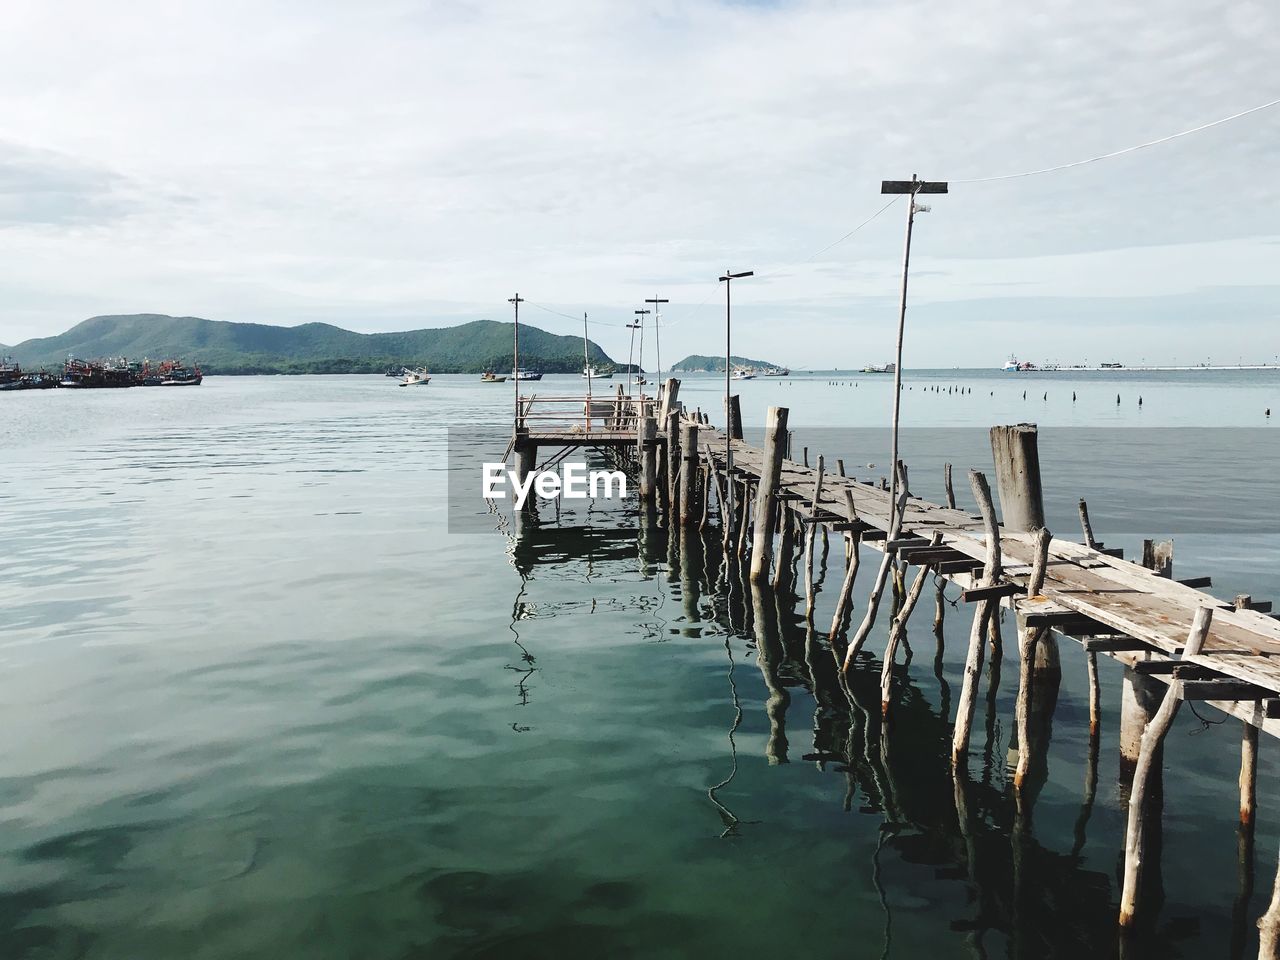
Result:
{"points": [[880, 368], [743, 373], [778, 372], [524, 374], [593, 373], [1014, 365], [1114, 366]]}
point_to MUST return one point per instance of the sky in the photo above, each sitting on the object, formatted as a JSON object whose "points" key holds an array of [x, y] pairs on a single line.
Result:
{"points": [[388, 165]]}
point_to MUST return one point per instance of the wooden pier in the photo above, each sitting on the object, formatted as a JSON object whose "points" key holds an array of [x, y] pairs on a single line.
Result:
{"points": [[1175, 641]]}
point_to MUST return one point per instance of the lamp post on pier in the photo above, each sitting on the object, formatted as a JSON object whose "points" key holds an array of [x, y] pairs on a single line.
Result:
{"points": [[910, 187], [657, 337], [515, 353], [727, 280], [640, 315]]}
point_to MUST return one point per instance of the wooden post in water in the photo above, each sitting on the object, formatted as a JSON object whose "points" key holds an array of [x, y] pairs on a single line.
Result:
{"points": [[526, 452], [1087, 527], [733, 418], [1148, 757], [1028, 639], [670, 392], [673, 460], [810, 532], [647, 441], [1139, 699], [1016, 452], [775, 437], [689, 484], [1017, 458], [898, 630], [982, 612]]}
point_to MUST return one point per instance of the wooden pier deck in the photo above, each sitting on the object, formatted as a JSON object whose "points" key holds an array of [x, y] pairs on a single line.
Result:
{"points": [[1086, 593], [1172, 637]]}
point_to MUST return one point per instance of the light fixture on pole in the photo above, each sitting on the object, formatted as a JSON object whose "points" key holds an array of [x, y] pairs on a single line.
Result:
{"points": [[727, 280]]}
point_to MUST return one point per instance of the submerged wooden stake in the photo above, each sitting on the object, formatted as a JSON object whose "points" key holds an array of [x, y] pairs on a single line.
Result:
{"points": [[775, 437], [1152, 739]]}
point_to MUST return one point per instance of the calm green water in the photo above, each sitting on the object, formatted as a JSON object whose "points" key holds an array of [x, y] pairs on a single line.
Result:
{"points": [[257, 701]]}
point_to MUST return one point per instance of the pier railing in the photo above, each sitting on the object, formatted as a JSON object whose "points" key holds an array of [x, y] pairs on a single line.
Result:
{"points": [[610, 414]]}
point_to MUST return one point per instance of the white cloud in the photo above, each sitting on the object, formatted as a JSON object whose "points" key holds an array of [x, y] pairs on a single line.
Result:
{"points": [[391, 164]]}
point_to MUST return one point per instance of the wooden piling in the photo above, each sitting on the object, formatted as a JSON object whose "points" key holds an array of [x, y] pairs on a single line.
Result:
{"points": [[1017, 459], [646, 441], [982, 612], [1028, 638], [673, 460], [1087, 527], [526, 452], [670, 394], [1152, 740], [775, 437], [689, 485], [898, 630], [733, 418]]}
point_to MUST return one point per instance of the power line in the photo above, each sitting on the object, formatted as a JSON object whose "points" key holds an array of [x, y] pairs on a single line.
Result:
{"points": [[1119, 153]]}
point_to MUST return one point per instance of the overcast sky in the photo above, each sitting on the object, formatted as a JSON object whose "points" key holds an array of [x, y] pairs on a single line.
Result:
{"points": [[387, 165]]}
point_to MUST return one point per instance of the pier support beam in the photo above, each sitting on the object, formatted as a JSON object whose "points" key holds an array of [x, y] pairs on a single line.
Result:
{"points": [[775, 438], [673, 460], [981, 614], [690, 484], [1017, 458], [733, 418], [1139, 700], [1016, 452], [1149, 757], [647, 442], [526, 452]]}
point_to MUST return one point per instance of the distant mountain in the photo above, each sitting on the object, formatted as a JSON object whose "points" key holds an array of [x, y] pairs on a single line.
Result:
{"points": [[231, 348], [700, 364]]}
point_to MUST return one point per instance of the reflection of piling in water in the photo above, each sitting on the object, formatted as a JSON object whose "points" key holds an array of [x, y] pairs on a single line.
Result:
{"points": [[769, 655]]}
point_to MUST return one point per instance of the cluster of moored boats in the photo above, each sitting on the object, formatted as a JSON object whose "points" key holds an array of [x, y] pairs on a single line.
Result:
{"points": [[91, 374]]}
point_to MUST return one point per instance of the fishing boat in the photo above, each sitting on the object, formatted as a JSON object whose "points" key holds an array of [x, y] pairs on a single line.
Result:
{"points": [[10, 373], [778, 372], [743, 373], [490, 377], [639, 381], [591, 373], [524, 374], [172, 373], [880, 368], [415, 378], [96, 374]]}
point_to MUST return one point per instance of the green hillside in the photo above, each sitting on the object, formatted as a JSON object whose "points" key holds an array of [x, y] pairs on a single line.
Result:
{"points": [[231, 348], [697, 363]]}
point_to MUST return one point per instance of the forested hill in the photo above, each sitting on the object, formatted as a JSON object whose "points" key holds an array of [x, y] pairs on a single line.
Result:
{"points": [[230, 348]]}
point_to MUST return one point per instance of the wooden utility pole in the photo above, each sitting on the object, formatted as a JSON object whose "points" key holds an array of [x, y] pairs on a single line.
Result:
{"points": [[911, 188], [657, 338], [515, 352]]}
